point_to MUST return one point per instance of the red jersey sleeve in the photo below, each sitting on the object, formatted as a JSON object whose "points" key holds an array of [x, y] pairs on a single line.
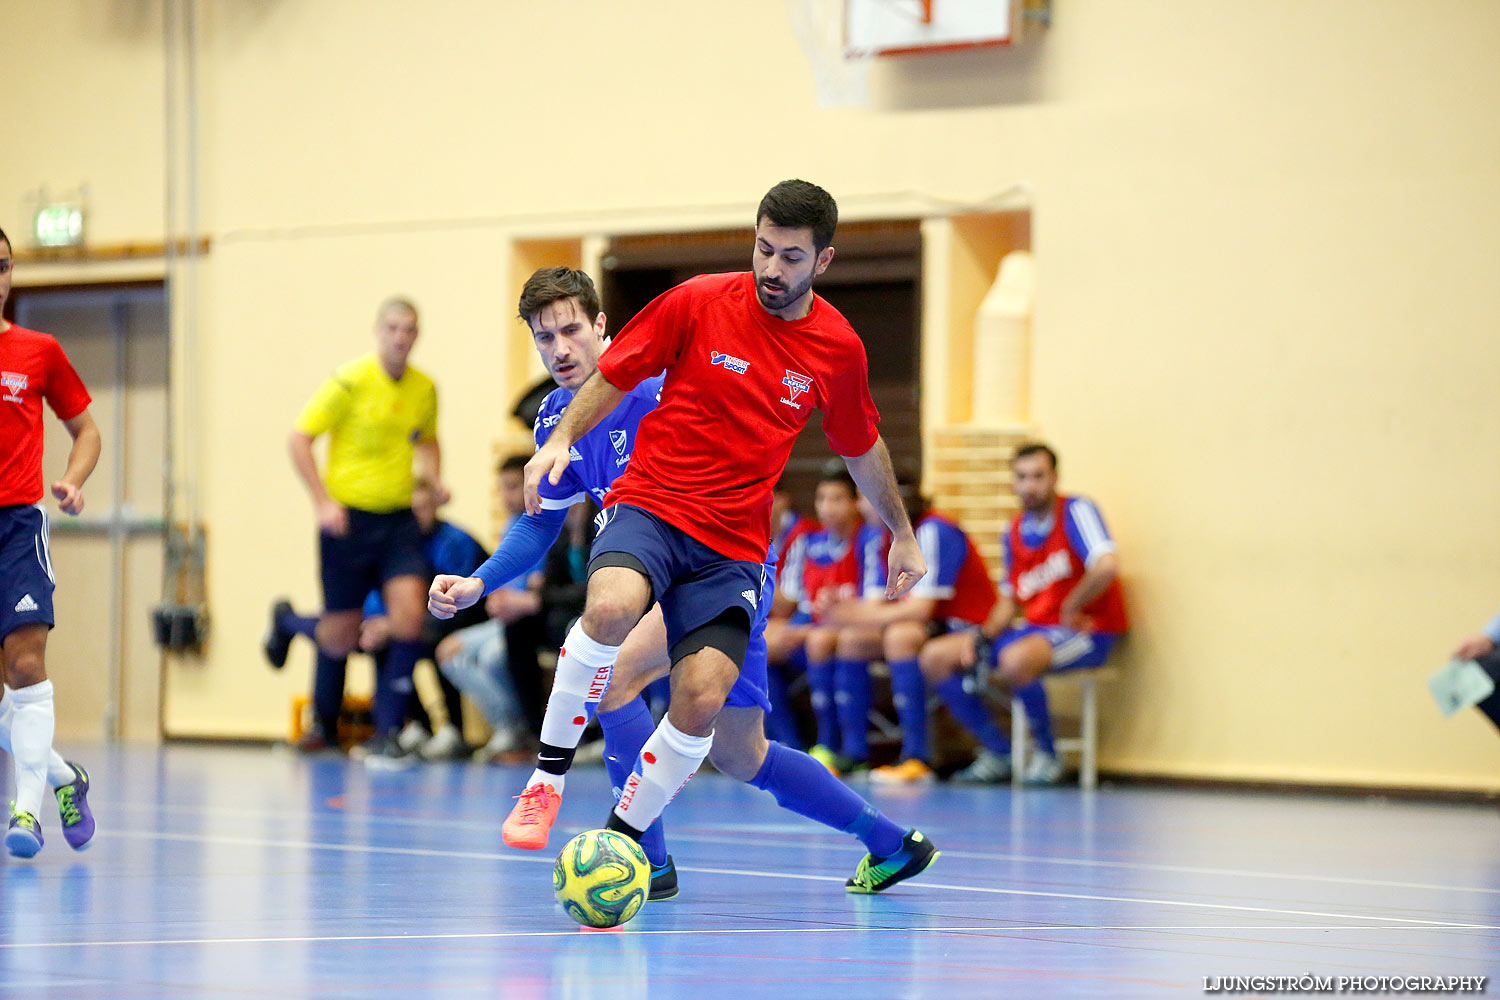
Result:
{"points": [[650, 342], [850, 419], [65, 392]]}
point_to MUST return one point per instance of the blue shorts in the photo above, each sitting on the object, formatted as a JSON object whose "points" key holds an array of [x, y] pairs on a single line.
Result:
{"points": [[749, 689], [694, 585], [376, 548], [1071, 649], [26, 582]]}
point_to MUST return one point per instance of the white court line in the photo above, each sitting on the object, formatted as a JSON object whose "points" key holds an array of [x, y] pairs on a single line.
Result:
{"points": [[709, 838], [1235, 872], [491, 856], [699, 932]]}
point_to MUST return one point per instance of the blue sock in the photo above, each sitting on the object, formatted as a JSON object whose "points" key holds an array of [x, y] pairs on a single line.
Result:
{"points": [[971, 712], [781, 721], [297, 624], [851, 678], [658, 695], [820, 679], [910, 693], [626, 731], [393, 684], [1033, 698], [328, 692], [804, 786]]}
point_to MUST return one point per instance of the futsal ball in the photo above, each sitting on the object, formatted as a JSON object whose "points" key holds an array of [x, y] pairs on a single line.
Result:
{"points": [[601, 878]]}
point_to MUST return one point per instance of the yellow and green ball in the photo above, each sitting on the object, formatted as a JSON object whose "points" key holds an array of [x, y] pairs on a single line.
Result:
{"points": [[601, 878]]}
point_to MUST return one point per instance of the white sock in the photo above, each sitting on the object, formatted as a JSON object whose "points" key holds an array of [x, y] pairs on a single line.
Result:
{"points": [[59, 771], [667, 761], [31, 728], [556, 781], [582, 676]]}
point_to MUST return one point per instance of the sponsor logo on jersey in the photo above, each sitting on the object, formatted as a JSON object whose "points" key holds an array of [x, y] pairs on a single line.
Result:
{"points": [[1038, 578], [749, 595], [796, 385], [548, 421], [13, 382], [574, 456], [734, 364], [25, 604]]}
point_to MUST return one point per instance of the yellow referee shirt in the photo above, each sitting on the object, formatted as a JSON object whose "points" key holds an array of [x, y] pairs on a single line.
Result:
{"points": [[373, 423]]}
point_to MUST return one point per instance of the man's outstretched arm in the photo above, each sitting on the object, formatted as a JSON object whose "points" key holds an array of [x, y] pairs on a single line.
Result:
{"points": [[877, 481]]}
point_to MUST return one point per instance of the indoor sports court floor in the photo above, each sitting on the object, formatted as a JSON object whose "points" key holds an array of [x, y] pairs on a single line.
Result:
{"points": [[240, 872]]}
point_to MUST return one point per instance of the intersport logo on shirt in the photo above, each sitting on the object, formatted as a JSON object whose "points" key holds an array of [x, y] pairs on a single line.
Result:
{"points": [[13, 382], [737, 365]]}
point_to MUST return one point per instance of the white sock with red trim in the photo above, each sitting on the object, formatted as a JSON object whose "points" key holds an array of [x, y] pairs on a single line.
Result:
{"points": [[667, 761], [582, 677]]}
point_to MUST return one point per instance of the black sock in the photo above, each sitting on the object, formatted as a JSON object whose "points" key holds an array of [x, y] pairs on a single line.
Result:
{"points": [[620, 826], [555, 760]]}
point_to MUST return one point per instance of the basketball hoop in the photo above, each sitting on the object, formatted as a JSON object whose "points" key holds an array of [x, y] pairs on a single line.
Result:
{"points": [[841, 80]]}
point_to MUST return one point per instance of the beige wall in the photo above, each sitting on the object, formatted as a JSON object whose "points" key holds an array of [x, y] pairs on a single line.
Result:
{"points": [[1265, 234]]}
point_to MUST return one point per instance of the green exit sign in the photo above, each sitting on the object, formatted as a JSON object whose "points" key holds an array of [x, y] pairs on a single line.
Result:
{"points": [[59, 225]]}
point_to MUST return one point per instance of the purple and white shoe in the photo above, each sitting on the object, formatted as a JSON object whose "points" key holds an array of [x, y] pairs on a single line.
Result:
{"points": [[24, 838], [73, 807]]}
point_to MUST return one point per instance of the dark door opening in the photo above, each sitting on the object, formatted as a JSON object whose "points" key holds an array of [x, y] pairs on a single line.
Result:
{"points": [[875, 281]]}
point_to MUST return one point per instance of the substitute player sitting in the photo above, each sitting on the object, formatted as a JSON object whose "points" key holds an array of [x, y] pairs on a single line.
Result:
{"points": [[1060, 575], [821, 568], [957, 595]]}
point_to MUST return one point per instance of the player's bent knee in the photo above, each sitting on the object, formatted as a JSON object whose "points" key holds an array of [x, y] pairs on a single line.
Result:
{"points": [[936, 663], [694, 714], [903, 641], [24, 670], [729, 633], [1020, 670], [625, 684], [737, 759], [337, 643]]}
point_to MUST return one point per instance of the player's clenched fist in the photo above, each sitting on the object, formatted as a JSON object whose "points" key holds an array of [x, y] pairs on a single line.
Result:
{"points": [[451, 594]]}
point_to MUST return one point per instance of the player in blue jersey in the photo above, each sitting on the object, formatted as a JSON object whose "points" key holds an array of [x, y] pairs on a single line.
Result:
{"points": [[562, 309]]}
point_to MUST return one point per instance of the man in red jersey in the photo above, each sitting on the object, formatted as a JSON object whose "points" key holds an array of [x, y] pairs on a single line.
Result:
{"points": [[1061, 576], [747, 357], [34, 368]]}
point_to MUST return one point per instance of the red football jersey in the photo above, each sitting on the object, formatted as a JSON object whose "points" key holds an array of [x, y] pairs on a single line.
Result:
{"points": [[786, 537], [33, 367], [1042, 577], [821, 562], [740, 385]]}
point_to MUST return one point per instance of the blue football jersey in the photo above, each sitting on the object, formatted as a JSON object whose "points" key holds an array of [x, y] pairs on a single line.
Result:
{"points": [[600, 456]]}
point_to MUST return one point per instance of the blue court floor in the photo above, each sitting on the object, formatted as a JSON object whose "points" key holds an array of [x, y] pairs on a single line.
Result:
{"points": [[243, 872]]}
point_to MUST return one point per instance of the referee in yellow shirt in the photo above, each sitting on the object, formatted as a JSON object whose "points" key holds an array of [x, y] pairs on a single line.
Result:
{"points": [[379, 413]]}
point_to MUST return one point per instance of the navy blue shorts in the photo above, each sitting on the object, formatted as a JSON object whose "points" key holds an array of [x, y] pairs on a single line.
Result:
{"points": [[376, 548], [694, 585], [26, 582]]}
